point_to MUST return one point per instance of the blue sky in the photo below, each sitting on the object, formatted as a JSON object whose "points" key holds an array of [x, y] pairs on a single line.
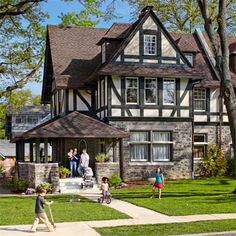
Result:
{"points": [[54, 9]]}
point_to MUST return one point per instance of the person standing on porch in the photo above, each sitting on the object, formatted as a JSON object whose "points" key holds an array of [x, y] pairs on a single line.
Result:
{"points": [[73, 163], [40, 212], [84, 162]]}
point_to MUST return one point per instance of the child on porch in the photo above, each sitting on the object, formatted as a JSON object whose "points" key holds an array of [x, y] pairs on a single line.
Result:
{"points": [[159, 183], [40, 212]]}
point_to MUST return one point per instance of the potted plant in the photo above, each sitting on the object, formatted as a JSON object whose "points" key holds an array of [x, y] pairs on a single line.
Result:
{"points": [[101, 157], [63, 172]]}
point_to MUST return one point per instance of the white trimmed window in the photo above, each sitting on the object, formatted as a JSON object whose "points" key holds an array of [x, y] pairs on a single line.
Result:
{"points": [[150, 91], [132, 90], [169, 92], [150, 146], [139, 146], [161, 146], [150, 44], [199, 96], [200, 146], [189, 57]]}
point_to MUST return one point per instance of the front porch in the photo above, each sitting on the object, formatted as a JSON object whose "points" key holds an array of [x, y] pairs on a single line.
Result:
{"points": [[60, 134]]}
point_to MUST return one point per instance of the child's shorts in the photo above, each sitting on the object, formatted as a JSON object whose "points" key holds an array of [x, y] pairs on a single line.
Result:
{"points": [[158, 185]]}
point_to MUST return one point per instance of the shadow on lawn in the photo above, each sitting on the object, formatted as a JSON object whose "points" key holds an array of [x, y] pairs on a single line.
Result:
{"points": [[167, 194]]}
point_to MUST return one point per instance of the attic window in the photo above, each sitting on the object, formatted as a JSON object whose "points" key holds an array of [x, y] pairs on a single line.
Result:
{"points": [[189, 57], [103, 52], [150, 44]]}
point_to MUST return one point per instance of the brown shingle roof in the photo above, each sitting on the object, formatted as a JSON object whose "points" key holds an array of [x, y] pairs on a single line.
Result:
{"points": [[74, 125], [75, 54]]}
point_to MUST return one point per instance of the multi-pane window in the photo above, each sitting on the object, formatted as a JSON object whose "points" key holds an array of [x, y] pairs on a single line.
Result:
{"points": [[199, 96], [150, 90], [200, 145], [168, 91], [150, 44], [132, 90], [161, 146], [150, 145], [139, 145]]}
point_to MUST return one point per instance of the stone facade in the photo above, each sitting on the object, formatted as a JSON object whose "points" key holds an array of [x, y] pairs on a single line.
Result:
{"points": [[213, 136], [106, 169], [180, 165], [35, 173]]}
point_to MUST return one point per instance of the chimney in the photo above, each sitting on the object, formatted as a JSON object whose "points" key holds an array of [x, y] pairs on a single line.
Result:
{"points": [[232, 57]]}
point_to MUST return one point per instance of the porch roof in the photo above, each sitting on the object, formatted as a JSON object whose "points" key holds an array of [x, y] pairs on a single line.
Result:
{"points": [[73, 125]]}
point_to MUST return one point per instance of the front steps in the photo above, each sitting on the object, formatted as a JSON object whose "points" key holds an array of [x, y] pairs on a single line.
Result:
{"points": [[73, 185]]}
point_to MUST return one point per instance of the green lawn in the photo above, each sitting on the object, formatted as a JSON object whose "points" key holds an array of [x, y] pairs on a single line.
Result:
{"points": [[185, 197], [170, 229], [20, 210]]}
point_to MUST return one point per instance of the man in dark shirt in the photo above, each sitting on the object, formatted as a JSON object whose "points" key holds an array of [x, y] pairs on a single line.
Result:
{"points": [[40, 212]]}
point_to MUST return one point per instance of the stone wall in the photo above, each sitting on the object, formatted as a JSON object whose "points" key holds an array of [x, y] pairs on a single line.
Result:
{"points": [[180, 165], [106, 169], [213, 136], [35, 173]]}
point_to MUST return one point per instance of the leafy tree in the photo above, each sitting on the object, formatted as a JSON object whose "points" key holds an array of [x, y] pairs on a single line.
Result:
{"points": [[22, 37], [185, 15], [220, 48]]}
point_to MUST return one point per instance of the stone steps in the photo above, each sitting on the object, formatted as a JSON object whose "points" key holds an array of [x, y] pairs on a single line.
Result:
{"points": [[77, 185]]}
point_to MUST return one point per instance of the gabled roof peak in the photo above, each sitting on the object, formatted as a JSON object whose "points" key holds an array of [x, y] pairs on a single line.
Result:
{"points": [[147, 8]]}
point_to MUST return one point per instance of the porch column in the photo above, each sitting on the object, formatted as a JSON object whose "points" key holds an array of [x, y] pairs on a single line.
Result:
{"points": [[121, 157], [37, 151], [114, 144], [31, 151], [20, 151], [46, 150]]}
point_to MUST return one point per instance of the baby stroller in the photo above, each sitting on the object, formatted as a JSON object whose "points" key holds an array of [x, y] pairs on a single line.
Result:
{"points": [[88, 178]]}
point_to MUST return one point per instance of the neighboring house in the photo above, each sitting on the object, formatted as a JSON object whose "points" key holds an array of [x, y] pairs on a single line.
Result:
{"points": [[25, 119], [155, 95]]}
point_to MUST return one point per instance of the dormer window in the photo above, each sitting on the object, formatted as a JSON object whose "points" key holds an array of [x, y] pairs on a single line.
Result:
{"points": [[103, 52], [189, 57], [150, 44]]}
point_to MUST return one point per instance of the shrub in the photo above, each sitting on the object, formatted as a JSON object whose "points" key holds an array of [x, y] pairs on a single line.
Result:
{"points": [[214, 164], [20, 184], [230, 166], [114, 180], [45, 185], [1, 169], [101, 157]]}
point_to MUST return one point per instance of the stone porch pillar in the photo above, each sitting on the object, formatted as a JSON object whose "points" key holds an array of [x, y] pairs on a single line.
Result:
{"points": [[37, 150]]}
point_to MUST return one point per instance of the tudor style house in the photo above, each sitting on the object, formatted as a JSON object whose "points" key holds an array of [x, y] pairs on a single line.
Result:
{"points": [[145, 96]]}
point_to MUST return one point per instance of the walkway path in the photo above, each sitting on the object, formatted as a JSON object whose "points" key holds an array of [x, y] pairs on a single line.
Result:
{"points": [[139, 215]]}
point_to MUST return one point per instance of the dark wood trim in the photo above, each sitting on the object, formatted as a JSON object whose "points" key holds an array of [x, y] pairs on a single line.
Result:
{"points": [[109, 95], [93, 101], [67, 101], [123, 95], [160, 95], [141, 50], [202, 123], [74, 100], [31, 151], [37, 150], [141, 95], [178, 101], [191, 107], [146, 119], [148, 107], [150, 31], [84, 101], [208, 104], [211, 113]]}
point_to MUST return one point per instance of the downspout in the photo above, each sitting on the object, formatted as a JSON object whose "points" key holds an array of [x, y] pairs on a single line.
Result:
{"points": [[220, 118]]}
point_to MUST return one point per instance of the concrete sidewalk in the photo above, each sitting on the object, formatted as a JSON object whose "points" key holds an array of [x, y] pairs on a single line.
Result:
{"points": [[139, 216]]}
